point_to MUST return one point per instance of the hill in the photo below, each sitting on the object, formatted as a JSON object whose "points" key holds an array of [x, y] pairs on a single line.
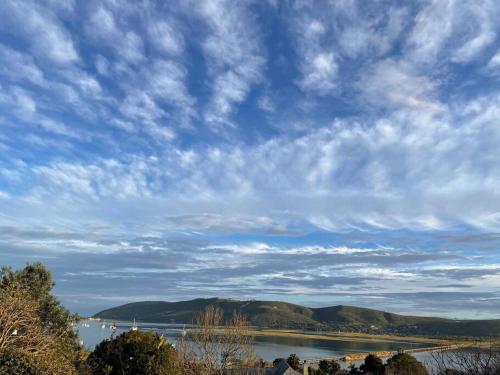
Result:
{"points": [[273, 314]]}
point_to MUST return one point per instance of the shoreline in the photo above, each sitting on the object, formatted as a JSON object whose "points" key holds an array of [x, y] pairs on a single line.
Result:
{"points": [[434, 344], [347, 336]]}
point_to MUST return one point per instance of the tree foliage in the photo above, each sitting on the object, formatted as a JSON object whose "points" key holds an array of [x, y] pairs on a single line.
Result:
{"points": [[33, 324], [294, 361], [373, 365], [36, 280], [132, 353], [19, 363], [404, 364], [325, 367]]}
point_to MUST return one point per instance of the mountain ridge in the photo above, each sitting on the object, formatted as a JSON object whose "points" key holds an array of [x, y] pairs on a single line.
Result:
{"points": [[284, 315]]}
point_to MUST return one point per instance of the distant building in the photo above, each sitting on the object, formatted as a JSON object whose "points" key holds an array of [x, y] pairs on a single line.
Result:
{"points": [[282, 368]]}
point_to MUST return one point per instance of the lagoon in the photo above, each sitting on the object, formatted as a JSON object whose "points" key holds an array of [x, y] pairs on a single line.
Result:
{"points": [[267, 347]]}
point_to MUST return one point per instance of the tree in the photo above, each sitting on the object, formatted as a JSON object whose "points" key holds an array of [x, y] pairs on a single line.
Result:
{"points": [[482, 358], [353, 370], [404, 364], [294, 361], [134, 352], [36, 281], [215, 345], [326, 367], [33, 325], [16, 362], [373, 365]]}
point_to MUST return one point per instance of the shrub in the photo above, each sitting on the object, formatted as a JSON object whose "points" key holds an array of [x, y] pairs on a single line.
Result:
{"points": [[132, 353], [404, 364], [373, 365], [19, 363]]}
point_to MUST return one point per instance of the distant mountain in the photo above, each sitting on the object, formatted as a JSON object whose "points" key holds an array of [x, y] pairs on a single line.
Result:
{"points": [[271, 314]]}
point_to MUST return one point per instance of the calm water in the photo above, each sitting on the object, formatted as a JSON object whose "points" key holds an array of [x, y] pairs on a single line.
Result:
{"points": [[267, 347]]}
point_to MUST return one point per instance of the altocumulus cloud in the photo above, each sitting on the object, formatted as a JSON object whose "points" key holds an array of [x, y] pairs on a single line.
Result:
{"points": [[276, 149]]}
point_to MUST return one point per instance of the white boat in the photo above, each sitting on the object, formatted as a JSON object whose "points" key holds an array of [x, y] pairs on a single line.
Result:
{"points": [[134, 326], [103, 326]]}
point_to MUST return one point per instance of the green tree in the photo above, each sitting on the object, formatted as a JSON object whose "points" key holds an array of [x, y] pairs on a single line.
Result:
{"points": [[353, 370], [19, 363], [132, 353], [404, 364], [33, 324], [326, 367], [294, 361], [36, 280], [373, 365]]}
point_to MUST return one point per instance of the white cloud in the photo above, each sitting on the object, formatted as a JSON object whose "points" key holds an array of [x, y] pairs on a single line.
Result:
{"points": [[394, 84], [233, 52], [433, 26], [458, 30], [266, 104], [494, 63], [166, 38], [481, 17], [422, 172], [320, 72], [42, 30], [24, 102], [19, 66], [127, 45], [317, 60]]}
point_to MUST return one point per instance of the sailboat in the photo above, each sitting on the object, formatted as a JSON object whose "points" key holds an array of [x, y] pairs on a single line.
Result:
{"points": [[134, 326]]}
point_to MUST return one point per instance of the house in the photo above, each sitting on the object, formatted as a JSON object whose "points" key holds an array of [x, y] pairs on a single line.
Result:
{"points": [[282, 368]]}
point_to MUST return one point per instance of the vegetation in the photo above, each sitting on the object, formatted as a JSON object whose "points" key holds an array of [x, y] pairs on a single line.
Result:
{"points": [[325, 367], [133, 353], [18, 362], [37, 338], [481, 359], [215, 345], [271, 314], [404, 364], [373, 365], [35, 329], [293, 361]]}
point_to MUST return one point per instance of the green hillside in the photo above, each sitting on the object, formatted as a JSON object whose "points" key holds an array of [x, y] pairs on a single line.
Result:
{"points": [[272, 314]]}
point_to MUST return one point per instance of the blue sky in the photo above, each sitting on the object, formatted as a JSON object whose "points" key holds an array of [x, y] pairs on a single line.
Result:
{"points": [[313, 152]]}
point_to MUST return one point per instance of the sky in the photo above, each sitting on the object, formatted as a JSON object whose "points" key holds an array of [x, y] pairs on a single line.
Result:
{"points": [[316, 152]]}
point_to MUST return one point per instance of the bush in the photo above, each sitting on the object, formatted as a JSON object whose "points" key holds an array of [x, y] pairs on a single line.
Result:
{"points": [[34, 324], [325, 367], [18, 363], [133, 353], [373, 365], [404, 364]]}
